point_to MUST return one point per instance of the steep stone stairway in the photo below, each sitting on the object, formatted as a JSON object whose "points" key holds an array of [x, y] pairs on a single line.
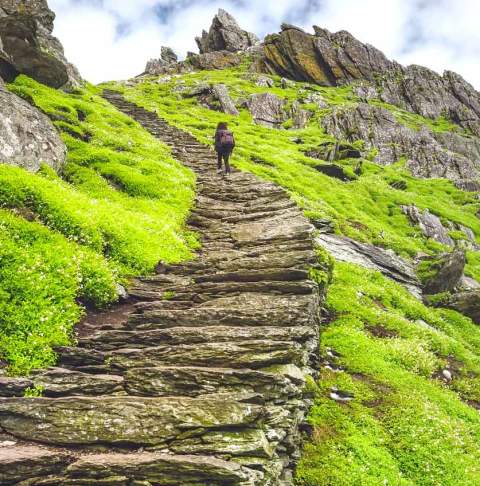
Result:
{"points": [[204, 384]]}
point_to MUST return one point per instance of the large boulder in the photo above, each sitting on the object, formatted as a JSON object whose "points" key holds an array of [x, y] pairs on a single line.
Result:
{"points": [[425, 155], [28, 137], [220, 92], [28, 47], [225, 35], [267, 109], [444, 272]]}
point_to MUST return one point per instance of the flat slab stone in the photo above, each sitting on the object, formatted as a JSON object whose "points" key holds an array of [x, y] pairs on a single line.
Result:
{"points": [[163, 469], [18, 463], [120, 420]]}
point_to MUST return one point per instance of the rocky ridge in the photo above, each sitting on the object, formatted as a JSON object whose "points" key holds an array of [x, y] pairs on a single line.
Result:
{"points": [[205, 382]]}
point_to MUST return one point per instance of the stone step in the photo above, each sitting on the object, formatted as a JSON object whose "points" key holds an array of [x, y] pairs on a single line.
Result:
{"points": [[110, 340], [124, 421], [236, 354], [284, 381]]}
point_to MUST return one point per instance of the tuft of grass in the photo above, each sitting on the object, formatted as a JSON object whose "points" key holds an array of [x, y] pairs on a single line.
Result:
{"points": [[67, 240]]}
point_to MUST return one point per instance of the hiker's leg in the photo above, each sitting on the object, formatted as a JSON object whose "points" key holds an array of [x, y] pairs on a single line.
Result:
{"points": [[226, 157], [219, 160]]}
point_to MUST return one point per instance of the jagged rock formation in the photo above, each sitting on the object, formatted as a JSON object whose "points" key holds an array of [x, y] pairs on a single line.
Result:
{"points": [[205, 383], [28, 47], [225, 35], [426, 157], [166, 59], [220, 92], [28, 137], [335, 59], [467, 303]]}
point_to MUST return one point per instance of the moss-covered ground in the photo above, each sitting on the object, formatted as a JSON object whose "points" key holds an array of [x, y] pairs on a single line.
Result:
{"points": [[67, 240], [407, 424]]}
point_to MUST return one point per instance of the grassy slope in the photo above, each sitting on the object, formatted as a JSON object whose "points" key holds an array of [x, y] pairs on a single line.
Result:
{"points": [[405, 426], [117, 210]]}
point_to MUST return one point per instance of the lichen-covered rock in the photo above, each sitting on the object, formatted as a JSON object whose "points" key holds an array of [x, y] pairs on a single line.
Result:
{"points": [[445, 272], [28, 137], [28, 47], [220, 92], [13, 387], [429, 224], [166, 59], [379, 129], [264, 82], [300, 116], [225, 35], [120, 420], [467, 303], [267, 109]]}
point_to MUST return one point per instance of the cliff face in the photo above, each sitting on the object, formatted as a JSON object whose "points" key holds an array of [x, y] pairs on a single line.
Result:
{"points": [[28, 47]]}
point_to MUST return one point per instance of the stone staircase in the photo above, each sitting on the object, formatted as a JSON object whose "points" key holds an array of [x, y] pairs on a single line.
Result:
{"points": [[204, 384]]}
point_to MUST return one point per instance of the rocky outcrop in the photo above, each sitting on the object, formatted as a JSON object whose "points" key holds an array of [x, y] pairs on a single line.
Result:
{"points": [[28, 136], [28, 47], [335, 59], [467, 303], [166, 59], [444, 272], [369, 256], [220, 92], [426, 158], [267, 109], [205, 383], [225, 35], [429, 224]]}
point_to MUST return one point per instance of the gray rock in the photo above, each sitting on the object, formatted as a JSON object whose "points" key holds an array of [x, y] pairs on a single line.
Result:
{"points": [[28, 47], [28, 136], [19, 463], [316, 99], [374, 258], [264, 82], [467, 303], [166, 469], [379, 129], [267, 109], [168, 55], [447, 272], [220, 92], [429, 224], [225, 34], [13, 387], [300, 116]]}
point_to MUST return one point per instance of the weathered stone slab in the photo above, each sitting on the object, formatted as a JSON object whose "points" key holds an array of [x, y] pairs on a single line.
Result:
{"points": [[18, 463], [120, 420], [163, 469]]}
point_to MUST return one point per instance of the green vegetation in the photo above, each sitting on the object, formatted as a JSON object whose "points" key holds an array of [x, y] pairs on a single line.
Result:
{"points": [[407, 424], [117, 209]]}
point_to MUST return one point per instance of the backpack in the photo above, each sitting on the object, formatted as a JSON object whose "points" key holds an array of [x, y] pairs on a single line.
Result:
{"points": [[226, 139]]}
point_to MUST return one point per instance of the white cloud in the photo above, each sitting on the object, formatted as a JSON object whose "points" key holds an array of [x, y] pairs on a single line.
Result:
{"points": [[113, 39]]}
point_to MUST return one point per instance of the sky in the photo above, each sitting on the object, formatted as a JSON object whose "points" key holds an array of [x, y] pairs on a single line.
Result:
{"points": [[113, 39]]}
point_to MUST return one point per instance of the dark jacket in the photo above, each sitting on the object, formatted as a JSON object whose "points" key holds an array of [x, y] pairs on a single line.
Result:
{"points": [[218, 147]]}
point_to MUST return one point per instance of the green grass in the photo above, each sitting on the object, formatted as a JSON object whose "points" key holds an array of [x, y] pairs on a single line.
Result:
{"points": [[117, 209], [405, 425]]}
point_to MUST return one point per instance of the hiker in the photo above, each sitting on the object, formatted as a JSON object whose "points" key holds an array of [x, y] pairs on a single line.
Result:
{"points": [[224, 145]]}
